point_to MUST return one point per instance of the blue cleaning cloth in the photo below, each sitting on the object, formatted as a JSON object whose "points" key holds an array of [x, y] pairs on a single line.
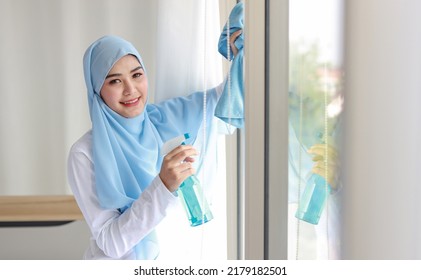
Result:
{"points": [[230, 107]]}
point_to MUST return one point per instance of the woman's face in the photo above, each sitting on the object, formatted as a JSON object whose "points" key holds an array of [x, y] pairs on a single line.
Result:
{"points": [[125, 88]]}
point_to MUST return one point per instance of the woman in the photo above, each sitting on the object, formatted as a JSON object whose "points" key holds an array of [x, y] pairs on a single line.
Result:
{"points": [[122, 185]]}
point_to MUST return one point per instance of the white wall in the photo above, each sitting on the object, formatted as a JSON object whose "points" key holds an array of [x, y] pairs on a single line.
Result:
{"points": [[382, 155]]}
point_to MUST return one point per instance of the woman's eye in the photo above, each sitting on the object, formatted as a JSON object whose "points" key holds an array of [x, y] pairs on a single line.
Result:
{"points": [[137, 75], [115, 81]]}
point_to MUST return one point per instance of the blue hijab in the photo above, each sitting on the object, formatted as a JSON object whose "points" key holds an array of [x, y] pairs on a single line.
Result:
{"points": [[126, 151]]}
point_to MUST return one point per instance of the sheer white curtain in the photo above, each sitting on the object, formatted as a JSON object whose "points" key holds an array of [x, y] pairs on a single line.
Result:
{"points": [[188, 61]]}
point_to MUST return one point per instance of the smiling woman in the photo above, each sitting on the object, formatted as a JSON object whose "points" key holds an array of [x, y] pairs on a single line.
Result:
{"points": [[121, 181]]}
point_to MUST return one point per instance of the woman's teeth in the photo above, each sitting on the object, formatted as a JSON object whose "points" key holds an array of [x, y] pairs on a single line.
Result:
{"points": [[131, 101]]}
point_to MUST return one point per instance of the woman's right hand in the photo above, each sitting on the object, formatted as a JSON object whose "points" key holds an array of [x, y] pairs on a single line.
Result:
{"points": [[177, 166], [327, 169]]}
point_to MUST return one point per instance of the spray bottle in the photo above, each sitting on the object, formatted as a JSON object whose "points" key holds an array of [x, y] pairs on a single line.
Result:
{"points": [[314, 198], [190, 191]]}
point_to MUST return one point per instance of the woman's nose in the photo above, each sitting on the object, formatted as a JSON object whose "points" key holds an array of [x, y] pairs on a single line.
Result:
{"points": [[129, 88]]}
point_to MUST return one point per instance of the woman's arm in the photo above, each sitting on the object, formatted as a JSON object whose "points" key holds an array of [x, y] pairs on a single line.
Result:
{"points": [[115, 233], [179, 115]]}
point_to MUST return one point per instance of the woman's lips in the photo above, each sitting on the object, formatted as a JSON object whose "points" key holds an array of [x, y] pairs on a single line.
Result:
{"points": [[131, 102]]}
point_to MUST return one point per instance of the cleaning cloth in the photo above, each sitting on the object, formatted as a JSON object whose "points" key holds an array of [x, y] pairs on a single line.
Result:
{"points": [[230, 107]]}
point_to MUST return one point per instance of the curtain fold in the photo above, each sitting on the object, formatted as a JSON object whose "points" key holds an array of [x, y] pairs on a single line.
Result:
{"points": [[187, 60]]}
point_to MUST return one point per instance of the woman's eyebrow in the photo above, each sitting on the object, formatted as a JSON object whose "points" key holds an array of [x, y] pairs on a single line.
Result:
{"points": [[118, 74], [112, 75], [137, 68]]}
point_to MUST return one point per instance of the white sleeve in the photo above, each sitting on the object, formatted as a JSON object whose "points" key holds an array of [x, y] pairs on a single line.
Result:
{"points": [[116, 233]]}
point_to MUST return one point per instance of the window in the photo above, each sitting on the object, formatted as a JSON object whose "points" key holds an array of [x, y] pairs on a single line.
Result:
{"points": [[315, 105], [294, 56]]}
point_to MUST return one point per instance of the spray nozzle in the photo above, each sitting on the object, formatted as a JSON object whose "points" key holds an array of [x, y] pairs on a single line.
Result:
{"points": [[173, 143]]}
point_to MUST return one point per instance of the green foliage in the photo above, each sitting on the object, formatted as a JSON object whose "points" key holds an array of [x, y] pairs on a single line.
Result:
{"points": [[306, 81]]}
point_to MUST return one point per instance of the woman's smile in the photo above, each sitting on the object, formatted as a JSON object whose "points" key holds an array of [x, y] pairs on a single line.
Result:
{"points": [[131, 103]]}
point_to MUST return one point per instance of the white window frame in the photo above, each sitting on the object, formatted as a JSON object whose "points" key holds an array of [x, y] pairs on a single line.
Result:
{"points": [[266, 130]]}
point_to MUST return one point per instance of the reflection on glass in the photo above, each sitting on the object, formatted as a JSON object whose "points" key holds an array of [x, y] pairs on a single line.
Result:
{"points": [[315, 106]]}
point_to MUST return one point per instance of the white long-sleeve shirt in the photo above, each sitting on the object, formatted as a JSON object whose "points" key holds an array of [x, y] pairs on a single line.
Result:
{"points": [[114, 235]]}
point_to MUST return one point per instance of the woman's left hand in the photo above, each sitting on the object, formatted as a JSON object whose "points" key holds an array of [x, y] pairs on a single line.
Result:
{"points": [[234, 37]]}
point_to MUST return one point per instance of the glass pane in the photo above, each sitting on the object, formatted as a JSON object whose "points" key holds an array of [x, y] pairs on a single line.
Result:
{"points": [[315, 105]]}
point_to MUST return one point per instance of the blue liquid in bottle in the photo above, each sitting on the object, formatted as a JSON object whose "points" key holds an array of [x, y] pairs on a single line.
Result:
{"points": [[194, 202], [313, 199]]}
